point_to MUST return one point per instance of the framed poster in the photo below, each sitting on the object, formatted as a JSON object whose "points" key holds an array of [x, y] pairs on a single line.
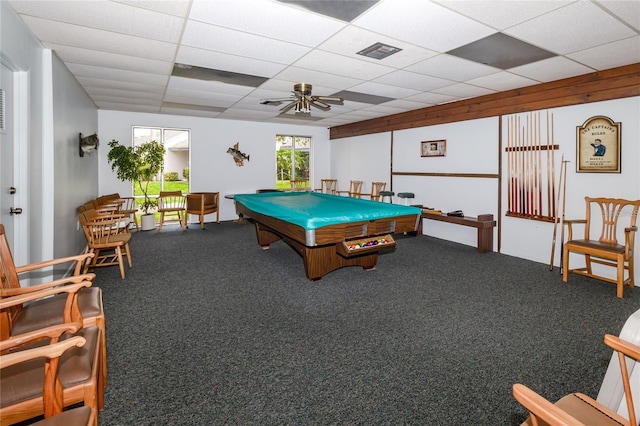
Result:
{"points": [[433, 148], [598, 146]]}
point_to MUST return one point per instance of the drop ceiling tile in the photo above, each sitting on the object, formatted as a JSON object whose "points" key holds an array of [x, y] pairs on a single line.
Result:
{"points": [[266, 18], [192, 99], [208, 86], [501, 14], [341, 65], [593, 27], [452, 68], [173, 7], [298, 75], [551, 69], [406, 105], [108, 16], [627, 11], [351, 40], [413, 80], [92, 39], [219, 98], [431, 98], [101, 92], [128, 100], [81, 70], [83, 56], [89, 83], [614, 54], [502, 81], [463, 91], [422, 23], [226, 62], [190, 112], [127, 107], [386, 90], [242, 114], [219, 39]]}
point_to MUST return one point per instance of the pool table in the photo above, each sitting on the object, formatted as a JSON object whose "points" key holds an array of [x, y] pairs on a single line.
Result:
{"points": [[328, 231]]}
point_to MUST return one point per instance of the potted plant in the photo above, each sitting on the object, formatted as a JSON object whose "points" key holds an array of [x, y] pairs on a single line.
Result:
{"points": [[139, 164]]}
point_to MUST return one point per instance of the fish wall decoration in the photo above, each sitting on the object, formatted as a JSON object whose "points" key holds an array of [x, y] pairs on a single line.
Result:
{"points": [[238, 156]]}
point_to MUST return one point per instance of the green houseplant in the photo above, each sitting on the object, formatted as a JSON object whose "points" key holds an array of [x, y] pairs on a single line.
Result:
{"points": [[139, 164]]}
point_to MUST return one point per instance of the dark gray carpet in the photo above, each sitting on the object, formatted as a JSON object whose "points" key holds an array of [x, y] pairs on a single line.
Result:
{"points": [[208, 329]]}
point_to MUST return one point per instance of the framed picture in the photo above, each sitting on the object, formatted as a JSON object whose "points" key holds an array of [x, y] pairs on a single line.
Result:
{"points": [[598, 146], [433, 148]]}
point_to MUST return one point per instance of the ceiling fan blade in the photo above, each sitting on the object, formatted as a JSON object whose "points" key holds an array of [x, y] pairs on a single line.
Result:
{"points": [[318, 104], [330, 99], [276, 101], [288, 106]]}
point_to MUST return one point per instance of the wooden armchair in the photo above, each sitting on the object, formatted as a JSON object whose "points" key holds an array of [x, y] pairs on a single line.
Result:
{"points": [[107, 239], [21, 395], [328, 186], [171, 205], [376, 188], [298, 184], [355, 189], [202, 203], [19, 319], [52, 392], [609, 249], [577, 409]]}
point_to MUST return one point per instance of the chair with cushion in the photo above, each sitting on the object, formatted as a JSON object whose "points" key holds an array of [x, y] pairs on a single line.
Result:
{"points": [[376, 188], [19, 319], [171, 205], [52, 391], [328, 186], [577, 408], [616, 220], [79, 371], [107, 239], [355, 189], [200, 204]]}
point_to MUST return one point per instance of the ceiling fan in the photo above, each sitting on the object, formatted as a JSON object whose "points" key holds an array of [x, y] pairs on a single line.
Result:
{"points": [[302, 100]]}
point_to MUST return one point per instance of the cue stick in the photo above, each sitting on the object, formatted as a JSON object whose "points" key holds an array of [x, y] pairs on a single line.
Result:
{"points": [[555, 219], [548, 169], [564, 205], [540, 187], [509, 164], [553, 168]]}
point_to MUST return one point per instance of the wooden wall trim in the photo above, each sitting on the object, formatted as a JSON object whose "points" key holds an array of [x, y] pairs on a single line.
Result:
{"points": [[464, 175], [614, 83]]}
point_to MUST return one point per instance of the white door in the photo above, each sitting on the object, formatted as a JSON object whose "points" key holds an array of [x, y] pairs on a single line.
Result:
{"points": [[7, 184]]}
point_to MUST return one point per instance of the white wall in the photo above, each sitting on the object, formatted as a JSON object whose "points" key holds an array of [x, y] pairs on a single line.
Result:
{"points": [[473, 147], [75, 178], [365, 158], [212, 169]]}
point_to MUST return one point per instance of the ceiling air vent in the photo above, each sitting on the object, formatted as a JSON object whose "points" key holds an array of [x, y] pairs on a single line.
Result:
{"points": [[379, 51]]}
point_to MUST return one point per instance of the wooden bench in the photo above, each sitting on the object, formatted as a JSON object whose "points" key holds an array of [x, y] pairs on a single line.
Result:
{"points": [[484, 223]]}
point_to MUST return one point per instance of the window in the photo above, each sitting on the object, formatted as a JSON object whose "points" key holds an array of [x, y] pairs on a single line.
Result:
{"points": [[175, 176], [292, 160]]}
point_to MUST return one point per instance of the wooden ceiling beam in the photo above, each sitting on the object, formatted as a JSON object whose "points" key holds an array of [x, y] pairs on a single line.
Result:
{"points": [[615, 83]]}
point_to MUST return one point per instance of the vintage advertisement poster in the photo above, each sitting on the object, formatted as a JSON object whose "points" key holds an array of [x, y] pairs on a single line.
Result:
{"points": [[598, 146]]}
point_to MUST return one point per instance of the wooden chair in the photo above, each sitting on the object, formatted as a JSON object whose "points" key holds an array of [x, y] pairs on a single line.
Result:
{"points": [[606, 250], [355, 189], [23, 384], [52, 388], [577, 408], [37, 314], [298, 184], [202, 203], [106, 239], [328, 186], [129, 209], [171, 206], [376, 188]]}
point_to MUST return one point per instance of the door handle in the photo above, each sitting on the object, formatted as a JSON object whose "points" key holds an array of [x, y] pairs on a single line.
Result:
{"points": [[16, 210]]}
